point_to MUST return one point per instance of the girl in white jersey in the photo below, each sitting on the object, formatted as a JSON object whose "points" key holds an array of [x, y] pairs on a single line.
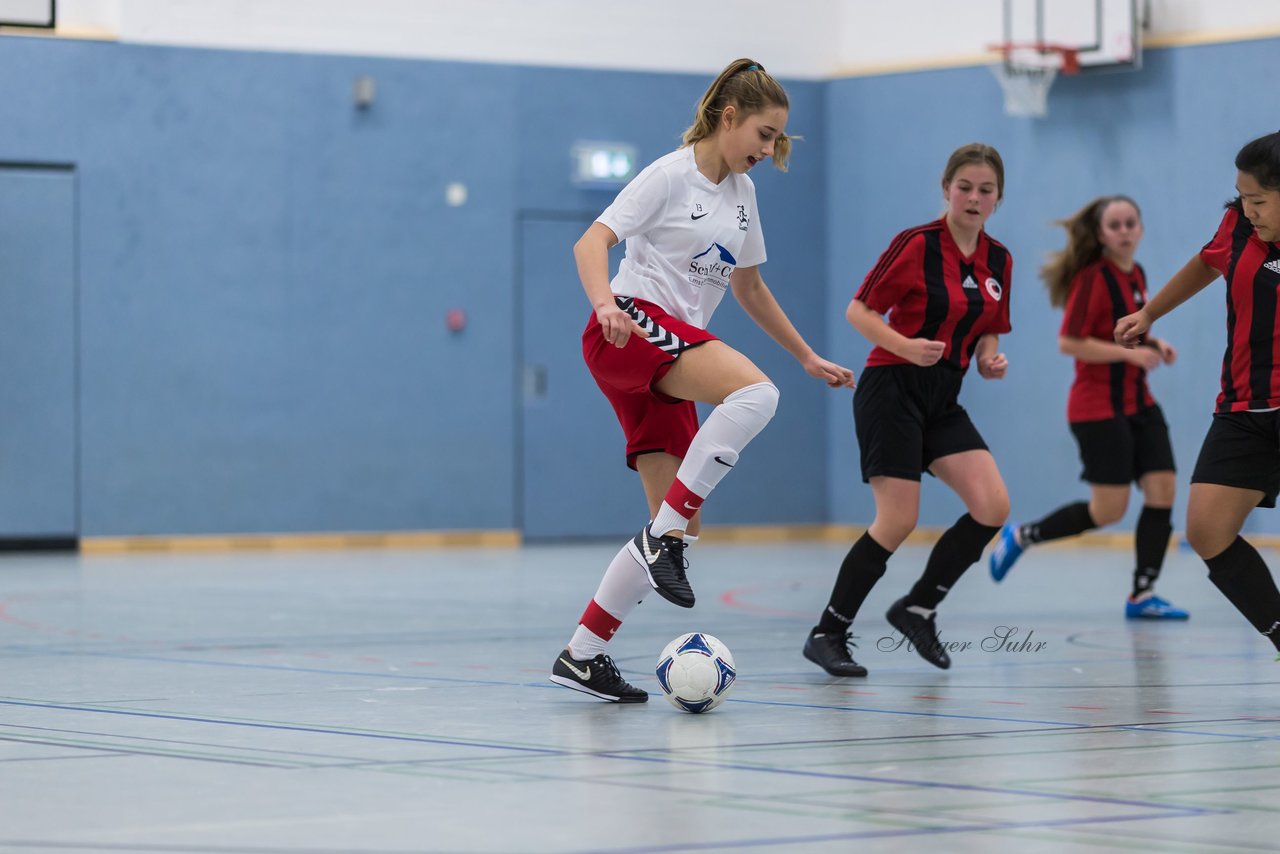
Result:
{"points": [[692, 232]]}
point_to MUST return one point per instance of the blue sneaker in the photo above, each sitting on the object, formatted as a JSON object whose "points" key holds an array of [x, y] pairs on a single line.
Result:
{"points": [[1006, 552], [1153, 608]]}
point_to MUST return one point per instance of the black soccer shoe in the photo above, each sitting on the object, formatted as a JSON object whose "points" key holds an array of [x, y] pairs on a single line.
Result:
{"points": [[920, 632], [597, 676], [664, 561], [830, 651]]}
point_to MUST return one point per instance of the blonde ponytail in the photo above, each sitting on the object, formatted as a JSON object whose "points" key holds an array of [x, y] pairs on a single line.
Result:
{"points": [[750, 89]]}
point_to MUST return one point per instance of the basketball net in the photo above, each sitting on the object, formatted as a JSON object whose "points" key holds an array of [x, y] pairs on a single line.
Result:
{"points": [[1027, 72]]}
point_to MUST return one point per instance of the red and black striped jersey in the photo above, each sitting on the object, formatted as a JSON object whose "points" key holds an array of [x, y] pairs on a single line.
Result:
{"points": [[1251, 364], [1100, 295], [930, 290]]}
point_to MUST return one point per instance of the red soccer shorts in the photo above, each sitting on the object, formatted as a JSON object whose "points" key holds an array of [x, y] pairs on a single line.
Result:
{"points": [[652, 421]]}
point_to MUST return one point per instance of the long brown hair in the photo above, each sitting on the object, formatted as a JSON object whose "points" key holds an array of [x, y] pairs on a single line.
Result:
{"points": [[1082, 249], [750, 89]]}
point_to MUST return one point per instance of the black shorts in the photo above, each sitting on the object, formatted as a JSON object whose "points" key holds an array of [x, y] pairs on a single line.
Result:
{"points": [[1120, 450], [1242, 449], [907, 416]]}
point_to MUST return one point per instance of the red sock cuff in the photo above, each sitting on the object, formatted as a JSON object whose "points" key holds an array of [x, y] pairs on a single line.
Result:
{"points": [[683, 500], [599, 622]]}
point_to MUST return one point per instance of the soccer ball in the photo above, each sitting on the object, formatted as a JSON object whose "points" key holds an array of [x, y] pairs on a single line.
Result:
{"points": [[695, 672]]}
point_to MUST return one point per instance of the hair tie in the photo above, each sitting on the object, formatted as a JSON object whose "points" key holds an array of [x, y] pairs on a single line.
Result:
{"points": [[753, 68]]}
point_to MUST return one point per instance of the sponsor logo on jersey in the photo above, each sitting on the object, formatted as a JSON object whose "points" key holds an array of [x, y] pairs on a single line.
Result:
{"points": [[713, 266]]}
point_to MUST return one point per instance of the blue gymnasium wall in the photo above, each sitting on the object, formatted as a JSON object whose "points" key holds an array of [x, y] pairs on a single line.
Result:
{"points": [[783, 479], [1166, 135], [264, 273], [264, 270]]}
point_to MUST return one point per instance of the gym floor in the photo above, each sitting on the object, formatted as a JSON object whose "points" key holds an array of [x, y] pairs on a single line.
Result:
{"points": [[397, 701]]}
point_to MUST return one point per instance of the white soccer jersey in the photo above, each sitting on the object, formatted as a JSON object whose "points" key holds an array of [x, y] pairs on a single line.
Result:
{"points": [[685, 235]]}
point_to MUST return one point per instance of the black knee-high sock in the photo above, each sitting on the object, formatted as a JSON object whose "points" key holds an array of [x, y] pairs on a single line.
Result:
{"points": [[1242, 576], [859, 572], [1067, 521], [957, 549], [1150, 542]]}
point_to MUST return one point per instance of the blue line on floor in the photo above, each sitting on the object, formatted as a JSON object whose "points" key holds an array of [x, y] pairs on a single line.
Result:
{"points": [[881, 834], [1178, 810], [285, 727]]}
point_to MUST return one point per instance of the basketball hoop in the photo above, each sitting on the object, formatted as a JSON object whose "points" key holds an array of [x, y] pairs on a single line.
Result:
{"points": [[1026, 72]]}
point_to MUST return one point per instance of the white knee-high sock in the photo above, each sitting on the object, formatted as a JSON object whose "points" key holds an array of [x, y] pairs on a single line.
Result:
{"points": [[714, 451], [623, 587]]}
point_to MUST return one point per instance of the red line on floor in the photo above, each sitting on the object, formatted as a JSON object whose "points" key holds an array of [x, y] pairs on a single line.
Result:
{"points": [[734, 599]]}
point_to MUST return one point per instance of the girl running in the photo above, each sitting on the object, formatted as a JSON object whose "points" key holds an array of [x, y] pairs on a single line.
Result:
{"points": [[1117, 424], [692, 232], [945, 288]]}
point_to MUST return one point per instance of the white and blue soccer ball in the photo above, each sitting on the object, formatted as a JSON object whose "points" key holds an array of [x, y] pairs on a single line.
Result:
{"points": [[695, 672]]}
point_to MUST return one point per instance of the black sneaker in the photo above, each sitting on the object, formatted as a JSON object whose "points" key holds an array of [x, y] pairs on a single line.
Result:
{"points": [[664, 561], [597, 676], [920, 632], [830, 651]]}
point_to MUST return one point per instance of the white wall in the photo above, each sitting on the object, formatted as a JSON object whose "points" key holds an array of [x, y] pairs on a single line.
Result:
{"points": [[659, 35], [811, 39], [1172, 18], [890, 34]]}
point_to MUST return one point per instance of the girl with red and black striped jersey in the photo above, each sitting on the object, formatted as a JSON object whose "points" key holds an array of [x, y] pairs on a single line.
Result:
{"points": [[1239, 464], [693, 232], [945, 288], [1117, 424]]}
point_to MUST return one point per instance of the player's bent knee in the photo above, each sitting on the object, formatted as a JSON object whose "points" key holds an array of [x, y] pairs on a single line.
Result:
{"points": [[758, 399], [1207, 539], [989, 507], [993, 513], [892, 533], [1104, 516]]}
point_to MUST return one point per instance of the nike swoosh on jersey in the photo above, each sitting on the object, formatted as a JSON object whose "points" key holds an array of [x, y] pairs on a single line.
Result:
{"points": [[722, 462], [698, 216]]}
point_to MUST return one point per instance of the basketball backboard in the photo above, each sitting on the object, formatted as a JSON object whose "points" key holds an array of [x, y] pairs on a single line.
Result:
{"points": [[27, 13], [1107, 34]]}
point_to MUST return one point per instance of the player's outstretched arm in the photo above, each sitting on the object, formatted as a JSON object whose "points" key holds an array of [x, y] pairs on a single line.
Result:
{"points": [[760, 305], [1194, 277]]}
